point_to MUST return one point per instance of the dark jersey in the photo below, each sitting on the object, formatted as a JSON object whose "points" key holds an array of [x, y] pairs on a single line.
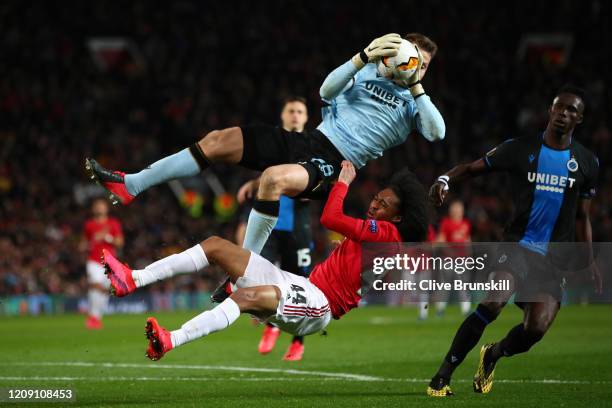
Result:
{"points": [[546, 185]]}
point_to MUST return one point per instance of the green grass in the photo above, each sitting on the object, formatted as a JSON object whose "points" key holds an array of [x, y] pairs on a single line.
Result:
{"points": [[388, 344]]}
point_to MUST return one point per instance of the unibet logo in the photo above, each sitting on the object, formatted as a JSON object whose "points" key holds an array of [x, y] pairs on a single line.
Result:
{"points": [[550, 182]]}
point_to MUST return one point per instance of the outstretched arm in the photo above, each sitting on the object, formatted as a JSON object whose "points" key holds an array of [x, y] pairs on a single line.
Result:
{"points": [[333, 216], [439, 189], [338, 80]]}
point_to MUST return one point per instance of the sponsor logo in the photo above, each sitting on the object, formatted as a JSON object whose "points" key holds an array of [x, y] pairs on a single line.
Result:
{"points": [[550, 182], [384, 96]]}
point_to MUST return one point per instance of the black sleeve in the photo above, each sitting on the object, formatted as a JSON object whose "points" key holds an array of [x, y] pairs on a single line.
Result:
{"points": [[503, 156], [588, 189]]}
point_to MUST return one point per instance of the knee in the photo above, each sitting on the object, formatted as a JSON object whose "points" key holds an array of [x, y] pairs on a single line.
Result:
{"points": [[213, 246], [211, 142], [273, 179], [248, 299]]}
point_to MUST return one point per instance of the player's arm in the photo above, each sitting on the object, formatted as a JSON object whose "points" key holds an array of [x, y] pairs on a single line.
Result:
{"points": [[333, 217], [500, 158], [439, 189], [248, 190], [340, 79]]}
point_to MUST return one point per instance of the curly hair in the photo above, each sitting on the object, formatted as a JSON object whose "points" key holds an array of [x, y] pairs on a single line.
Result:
{"points": [[413, 207]]}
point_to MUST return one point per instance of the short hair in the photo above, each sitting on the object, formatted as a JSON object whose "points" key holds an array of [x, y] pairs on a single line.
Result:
{"points": [[413, 207], [294, 98], [572, 90], [423, 42]]}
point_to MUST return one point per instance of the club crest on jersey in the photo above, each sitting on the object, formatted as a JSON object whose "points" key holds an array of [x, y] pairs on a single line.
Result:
{"points": [[550, 182], [373, 226], [572, 165]]}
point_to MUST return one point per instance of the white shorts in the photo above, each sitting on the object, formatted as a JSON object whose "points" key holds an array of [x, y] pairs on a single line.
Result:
{"points": [[95, 274], [302, 309]]}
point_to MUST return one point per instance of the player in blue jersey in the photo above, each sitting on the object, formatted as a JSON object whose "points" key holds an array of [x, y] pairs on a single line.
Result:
{"points": [[366, 115], [289, 244], [553, 180]]}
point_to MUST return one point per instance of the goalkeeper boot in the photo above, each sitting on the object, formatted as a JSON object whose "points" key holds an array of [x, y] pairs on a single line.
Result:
{"points": [[483, 379], [439, 387], [159, 340], [119, 274], [112, 181]]}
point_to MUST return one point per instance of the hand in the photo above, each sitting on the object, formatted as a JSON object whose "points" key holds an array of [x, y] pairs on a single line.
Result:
{"points": [[438, 192], [416, 77], [348, 172], [385, 46], [247, 191]]}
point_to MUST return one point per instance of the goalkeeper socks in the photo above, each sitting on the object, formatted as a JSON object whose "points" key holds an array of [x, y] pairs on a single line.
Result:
{"points": [[190, 261], [219, 318], [178, 165], [466, 338], [518, 340], [262, 221]]}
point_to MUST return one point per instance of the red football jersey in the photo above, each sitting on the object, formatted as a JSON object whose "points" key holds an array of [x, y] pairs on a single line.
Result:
{"points": [[455, 231], [339, 276], [97, 234]]}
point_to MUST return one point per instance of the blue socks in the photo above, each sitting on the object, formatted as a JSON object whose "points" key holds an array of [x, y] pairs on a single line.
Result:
{"points": [[262, 221], [178, 165]]}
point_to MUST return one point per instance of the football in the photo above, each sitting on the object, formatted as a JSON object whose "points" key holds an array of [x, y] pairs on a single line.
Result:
{"points": [[403, 65]]}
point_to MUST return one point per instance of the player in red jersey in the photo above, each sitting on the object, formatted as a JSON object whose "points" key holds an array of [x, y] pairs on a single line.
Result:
{"points": [[295, 304], [100, 232], [455, 229]]}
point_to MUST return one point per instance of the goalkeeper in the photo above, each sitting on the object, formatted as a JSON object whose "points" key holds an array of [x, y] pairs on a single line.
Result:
{"points": [[365, 114]]}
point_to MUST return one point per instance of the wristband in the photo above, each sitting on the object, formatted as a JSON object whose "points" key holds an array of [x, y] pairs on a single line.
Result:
{"points": [[444, 180], [364, 57]]}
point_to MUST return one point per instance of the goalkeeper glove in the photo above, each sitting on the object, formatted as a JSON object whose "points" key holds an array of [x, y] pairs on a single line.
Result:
{"points": [[385, 46]]}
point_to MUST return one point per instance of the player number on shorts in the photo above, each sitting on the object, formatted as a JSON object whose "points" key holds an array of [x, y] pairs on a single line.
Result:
{"points": [[303, 257], [326, 169]]}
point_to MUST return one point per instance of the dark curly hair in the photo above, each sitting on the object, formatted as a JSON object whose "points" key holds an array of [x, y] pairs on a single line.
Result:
{"points": [[413, 207]]}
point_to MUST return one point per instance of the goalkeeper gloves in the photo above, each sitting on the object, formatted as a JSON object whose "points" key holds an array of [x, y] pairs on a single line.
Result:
{"points": [[385, 46]]}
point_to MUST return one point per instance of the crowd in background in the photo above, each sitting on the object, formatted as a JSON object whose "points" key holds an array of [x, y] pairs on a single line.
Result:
{"points": [[199, 66]]}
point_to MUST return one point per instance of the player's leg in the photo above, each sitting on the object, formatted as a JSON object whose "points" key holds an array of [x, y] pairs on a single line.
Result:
{"points": [[287, 179], [538, 317], [271, 252], [468, 335], [260, 301], [296, 258], [97, 294], [218, 146], [214, 250]]}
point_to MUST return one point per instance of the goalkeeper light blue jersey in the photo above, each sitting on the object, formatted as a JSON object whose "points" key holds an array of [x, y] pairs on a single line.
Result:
{"points": [[371, 115]]}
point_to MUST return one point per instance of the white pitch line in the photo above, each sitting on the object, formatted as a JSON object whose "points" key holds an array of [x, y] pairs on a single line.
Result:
{"points": [[346, 376], [282, 379], [326, 375]]}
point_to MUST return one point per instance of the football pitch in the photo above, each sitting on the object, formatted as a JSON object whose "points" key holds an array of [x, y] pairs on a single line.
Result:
{"points": [[373, 357]]}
